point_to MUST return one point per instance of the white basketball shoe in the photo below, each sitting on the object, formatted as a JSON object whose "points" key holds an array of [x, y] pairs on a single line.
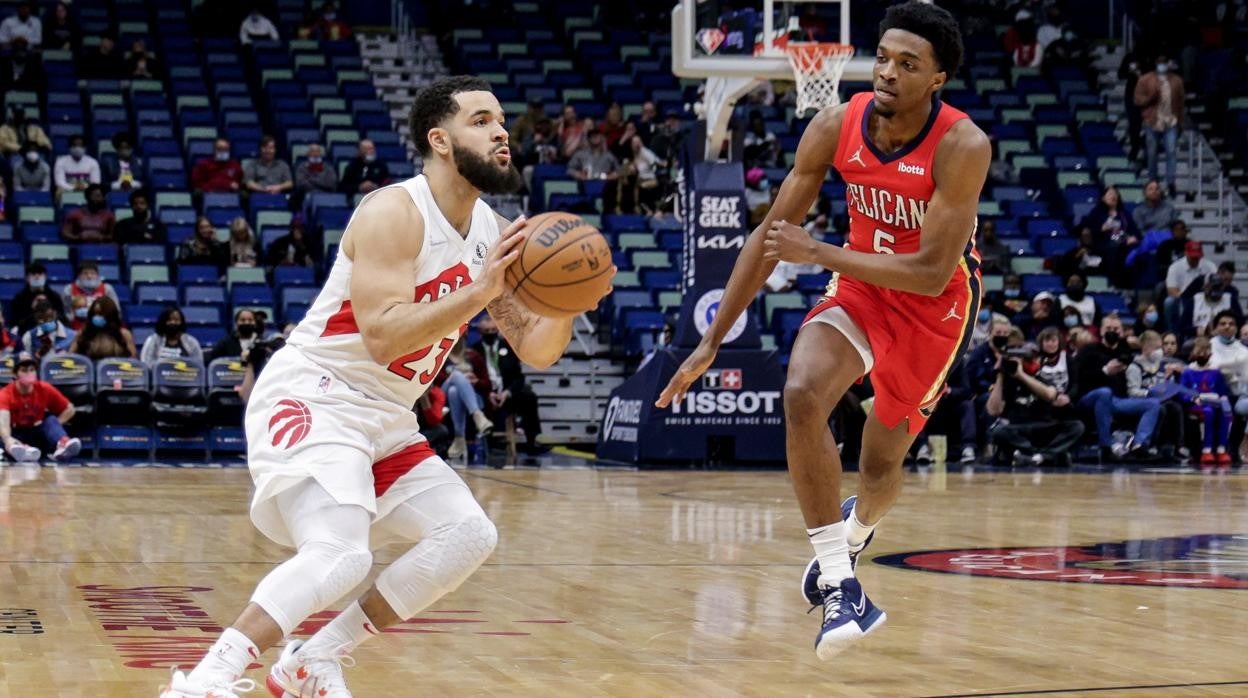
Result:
{"points": [[300, 675], [183, 687]]}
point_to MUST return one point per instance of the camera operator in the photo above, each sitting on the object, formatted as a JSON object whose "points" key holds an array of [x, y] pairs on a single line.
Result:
{"points": [[1100, 387], [1028, 410]]}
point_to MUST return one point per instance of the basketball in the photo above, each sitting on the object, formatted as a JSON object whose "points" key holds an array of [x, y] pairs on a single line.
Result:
{"points": [[563, 262]]}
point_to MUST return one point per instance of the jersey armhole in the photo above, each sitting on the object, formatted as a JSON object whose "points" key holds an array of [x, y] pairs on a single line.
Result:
{"points": [[853, 114]]}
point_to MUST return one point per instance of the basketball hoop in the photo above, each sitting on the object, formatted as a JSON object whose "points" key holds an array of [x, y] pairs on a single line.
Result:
{"points": [[818, 68]]}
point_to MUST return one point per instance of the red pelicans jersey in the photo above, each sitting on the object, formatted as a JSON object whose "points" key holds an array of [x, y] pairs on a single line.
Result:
{"points": [[329, 336]]}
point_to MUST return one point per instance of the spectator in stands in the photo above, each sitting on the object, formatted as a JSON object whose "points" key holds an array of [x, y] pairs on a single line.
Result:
{"points": [[1147, 317], [641, 189], [1085, 258], [647, 122], [1108, 221], [22, 69], [364, 173], [291, 250], [1129, 73], [1100, 385], [32, 417], [509, 392], [1211, 398], [77, 170], [761, 149], [60, 31], [104, 63], [18, 132], [431, 409], [88, 284], [982, 362], [983, 327], [91, 223], [9, 341], [613, 125], [596, 162], [994, 255], [521, 130], [171, 341], [244, 249], [1032, 423], [1020, 42], [256, 27], [247, 331], [48, 335], [23, 25], [1159, 94], [142, 226], [1075, 296], [1230, 356], [1154, 213], [220, 173], [123, 172], [33, 174], [36, 286], [1009, 301], [1206, 306], [78, 308], [103, 335], [1040, 315], [268, 174], [141, 64], [1172, 248], [1226, 274], [1170, 346], [539, 148], [203, 248], [463, 381], [572, 136], [1068, 51], [1147, 376], [1051, 29], [313, 174], [669, 139], [1185, 277], [328, 26]]}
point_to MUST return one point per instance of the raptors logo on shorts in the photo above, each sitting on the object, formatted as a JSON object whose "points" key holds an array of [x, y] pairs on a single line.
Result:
{"points": [[290, 424]]}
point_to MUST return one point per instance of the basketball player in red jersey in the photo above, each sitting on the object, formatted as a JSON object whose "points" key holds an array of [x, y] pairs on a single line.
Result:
{"points": [[333, 446], [901, 303]]}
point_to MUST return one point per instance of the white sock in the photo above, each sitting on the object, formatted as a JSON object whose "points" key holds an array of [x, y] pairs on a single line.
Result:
{"points": [[856, 532], [832, 552], [343, 634], [227, 658]]}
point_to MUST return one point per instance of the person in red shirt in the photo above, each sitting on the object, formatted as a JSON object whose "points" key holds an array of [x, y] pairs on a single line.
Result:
{"points": [[220, 173], [91, 223], [431, 408], [33, 414]]}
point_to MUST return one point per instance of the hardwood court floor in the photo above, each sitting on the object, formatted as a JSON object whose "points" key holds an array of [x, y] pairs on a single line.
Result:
{"points": [[623, 583]]}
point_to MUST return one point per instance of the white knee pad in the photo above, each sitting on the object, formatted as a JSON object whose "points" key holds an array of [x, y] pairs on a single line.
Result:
{"points": [[438, 564], [312, 580]]}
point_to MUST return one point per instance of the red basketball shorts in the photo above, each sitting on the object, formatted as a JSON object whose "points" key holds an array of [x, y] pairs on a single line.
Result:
{"points": [[908, 342]]}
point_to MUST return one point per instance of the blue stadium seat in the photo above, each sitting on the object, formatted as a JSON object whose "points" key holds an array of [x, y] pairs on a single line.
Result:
{"points": [[284, 277], [202, 315], [197, 274], [203, 295]]}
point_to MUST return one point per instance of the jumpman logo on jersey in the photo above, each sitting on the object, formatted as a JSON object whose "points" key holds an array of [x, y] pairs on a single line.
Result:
{"points": [[857, 156], [952, 314]]}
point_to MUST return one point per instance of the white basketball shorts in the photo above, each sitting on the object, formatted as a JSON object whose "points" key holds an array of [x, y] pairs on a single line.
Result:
{"points": [[303, 422]]}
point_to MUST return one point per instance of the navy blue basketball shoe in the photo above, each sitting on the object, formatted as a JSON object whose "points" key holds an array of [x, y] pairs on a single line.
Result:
{"points": [[810, 579], [848, 616]]}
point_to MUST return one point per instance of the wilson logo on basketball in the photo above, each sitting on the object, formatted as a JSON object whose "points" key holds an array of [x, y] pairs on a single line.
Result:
{"points": [[290, 424]]}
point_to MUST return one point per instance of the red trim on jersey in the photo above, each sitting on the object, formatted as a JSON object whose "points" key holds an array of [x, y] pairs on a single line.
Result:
{"points": [[342, 322], [389, 469]]}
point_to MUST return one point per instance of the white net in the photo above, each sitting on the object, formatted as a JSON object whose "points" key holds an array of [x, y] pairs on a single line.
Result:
{"points": [[818, 68]]}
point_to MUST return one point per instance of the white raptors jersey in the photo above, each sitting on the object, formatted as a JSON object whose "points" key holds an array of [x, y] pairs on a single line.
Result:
{"points": [[329, 336]]}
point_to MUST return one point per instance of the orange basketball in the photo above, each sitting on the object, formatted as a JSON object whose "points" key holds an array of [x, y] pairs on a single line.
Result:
{"points": [[564, 265]]}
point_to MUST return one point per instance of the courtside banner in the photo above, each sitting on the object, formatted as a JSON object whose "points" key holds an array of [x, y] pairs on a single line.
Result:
{"points": [[733, 410], [715, 217]]}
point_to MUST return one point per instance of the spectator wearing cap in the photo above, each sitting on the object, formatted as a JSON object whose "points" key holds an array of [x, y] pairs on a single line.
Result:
{"points": [[220, 173], [1155, 212], [88, 284], [1040, 315], [313, 174], [90, 223], [49, 335], [32, 417], [36, 287], [1185, 277]]}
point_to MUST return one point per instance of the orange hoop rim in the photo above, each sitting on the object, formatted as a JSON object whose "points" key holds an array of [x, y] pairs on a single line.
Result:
{"points": [[810, 54]]}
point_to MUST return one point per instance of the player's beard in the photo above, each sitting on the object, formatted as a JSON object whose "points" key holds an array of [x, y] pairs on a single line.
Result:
{"points": [[486, 176]]}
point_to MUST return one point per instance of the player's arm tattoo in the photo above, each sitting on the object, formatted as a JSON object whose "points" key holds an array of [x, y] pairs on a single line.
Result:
{"points": [[514, 321]]}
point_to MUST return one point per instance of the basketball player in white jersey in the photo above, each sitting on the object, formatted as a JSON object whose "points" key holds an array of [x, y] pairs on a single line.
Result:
{"points": [[333, 445]]}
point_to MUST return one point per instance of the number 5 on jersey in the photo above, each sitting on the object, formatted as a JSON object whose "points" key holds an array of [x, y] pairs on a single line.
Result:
{"points": [[884, 242]]}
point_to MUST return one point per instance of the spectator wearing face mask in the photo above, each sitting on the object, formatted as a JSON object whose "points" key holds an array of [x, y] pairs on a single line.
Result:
{"points": [[1153, 375], [509, 393], [1211, 400], [247, 331], [103, 336], [220, 173], [76, 171], [313, 174], [33, 174], [981, 364], [36, 285], [1100, 386], [1199, 312], [256, 27], [48, 336], [88, 284], [90, 223], [1032, 422], [364, 173], [1159, 94], [32, 417], [1076, 297], [1230, 356], [171, 341], [1009, 301]]}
